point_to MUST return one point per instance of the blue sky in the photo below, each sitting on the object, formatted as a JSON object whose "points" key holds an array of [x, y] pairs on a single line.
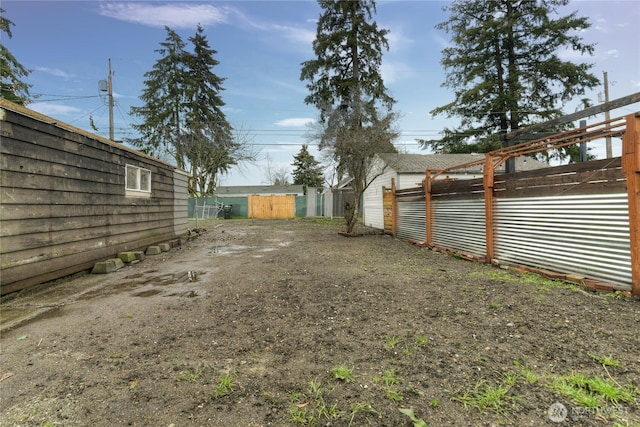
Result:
{"points": [[261, 44]]}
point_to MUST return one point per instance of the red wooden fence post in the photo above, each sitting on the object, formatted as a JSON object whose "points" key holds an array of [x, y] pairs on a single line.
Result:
{"points": [[488, 174], [631, 167], [394, 207]]}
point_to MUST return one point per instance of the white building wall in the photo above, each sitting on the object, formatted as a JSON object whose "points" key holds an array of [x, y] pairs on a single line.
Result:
{"points": [[372, 212]]}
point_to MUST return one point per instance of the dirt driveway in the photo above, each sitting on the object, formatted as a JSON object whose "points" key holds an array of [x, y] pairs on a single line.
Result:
{"points": [[285, 323]]}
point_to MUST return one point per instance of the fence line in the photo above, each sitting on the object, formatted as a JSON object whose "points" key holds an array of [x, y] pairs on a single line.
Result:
{"points": [[579, 221]]}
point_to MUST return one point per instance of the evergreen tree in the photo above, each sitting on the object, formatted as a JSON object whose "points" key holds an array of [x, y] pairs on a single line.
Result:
{"points": [[307, 172], [210, 149], [346, 86], [183, 116], [504, 67], [165, 99], [12, 88]]}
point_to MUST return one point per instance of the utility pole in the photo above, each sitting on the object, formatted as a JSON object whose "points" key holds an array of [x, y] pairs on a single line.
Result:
{"points": [[110, 95], [607, 114]]}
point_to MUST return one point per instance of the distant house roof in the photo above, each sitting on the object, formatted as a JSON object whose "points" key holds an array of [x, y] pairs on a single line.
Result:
{"points": [[259, 189], [419, 163]]}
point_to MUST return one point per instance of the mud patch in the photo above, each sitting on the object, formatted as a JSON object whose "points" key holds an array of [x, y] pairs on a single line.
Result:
{"points": [[319, 330]]}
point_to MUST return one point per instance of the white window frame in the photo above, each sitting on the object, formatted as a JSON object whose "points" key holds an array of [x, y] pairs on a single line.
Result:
{"points": [[138, 186]]}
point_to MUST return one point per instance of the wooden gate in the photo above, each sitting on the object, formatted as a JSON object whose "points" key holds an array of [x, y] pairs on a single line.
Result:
{"points": [[272, 207]]}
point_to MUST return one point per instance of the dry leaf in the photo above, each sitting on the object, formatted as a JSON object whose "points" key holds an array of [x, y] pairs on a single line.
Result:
{"points": [[6, 375]]}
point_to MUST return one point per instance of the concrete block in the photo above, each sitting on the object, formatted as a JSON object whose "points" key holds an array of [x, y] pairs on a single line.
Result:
{"points": [[117, 262], [153, 250], [103, 267], [165, 247], [127, 256], [108, 266], [139, 255]]}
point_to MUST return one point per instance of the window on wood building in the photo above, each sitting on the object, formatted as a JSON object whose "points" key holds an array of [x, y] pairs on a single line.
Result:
{"points": [[137, 181]]}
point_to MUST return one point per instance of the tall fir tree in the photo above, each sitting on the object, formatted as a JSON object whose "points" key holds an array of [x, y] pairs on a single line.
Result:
{"points": [[182, 115], [307, 170], [12, 72], [505, 69], [346, 86], [211, 148], [165, 98]]}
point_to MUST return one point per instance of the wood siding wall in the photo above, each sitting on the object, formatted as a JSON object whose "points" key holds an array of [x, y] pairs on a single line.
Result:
{"points": [[63, 203]]}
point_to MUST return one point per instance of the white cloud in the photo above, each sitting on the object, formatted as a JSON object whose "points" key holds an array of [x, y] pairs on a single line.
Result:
{"points": [[54, 110], [179, 15], [613, 53], [391, 71], [295, 122], [54, 72], [397, 39], [295, 34]]}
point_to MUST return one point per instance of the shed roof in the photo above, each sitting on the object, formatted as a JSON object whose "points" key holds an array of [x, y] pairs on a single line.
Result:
{"points": [[419, 163]]}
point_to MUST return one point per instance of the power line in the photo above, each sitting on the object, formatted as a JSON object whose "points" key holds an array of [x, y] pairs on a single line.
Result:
{"points": [[62, 97]]}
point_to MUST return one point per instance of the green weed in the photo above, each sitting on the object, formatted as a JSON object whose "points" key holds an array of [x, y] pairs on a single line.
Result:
{"points": [[392, 342], [310, 407], [224, 386], [342, 373], [417, 422], [191, 375], [592, 392], [605, 360], [422, 340], [390, 377], [527, 374], [359, 407], [487, 397], [393, 394]]}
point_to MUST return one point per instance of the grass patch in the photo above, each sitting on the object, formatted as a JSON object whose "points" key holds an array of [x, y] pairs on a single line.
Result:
{"points": [[605, 360], [392, 342], [190, 375], [592, 391], [360, 407], [310, 407], [224, 386], [391, 377], [487, 397]]}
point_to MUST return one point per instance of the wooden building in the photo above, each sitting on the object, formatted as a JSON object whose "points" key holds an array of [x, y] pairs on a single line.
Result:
{"points": [[69, 198]]}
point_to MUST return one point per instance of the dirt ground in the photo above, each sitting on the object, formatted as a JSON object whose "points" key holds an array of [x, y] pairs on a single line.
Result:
{"points": [[285, 323]]}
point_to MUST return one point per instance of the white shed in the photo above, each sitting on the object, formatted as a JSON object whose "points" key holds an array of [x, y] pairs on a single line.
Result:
{"points": [[409, 171]]}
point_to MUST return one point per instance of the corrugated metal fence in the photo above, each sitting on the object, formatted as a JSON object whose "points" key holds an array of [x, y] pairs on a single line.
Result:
{"points": [[577, 220]]}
